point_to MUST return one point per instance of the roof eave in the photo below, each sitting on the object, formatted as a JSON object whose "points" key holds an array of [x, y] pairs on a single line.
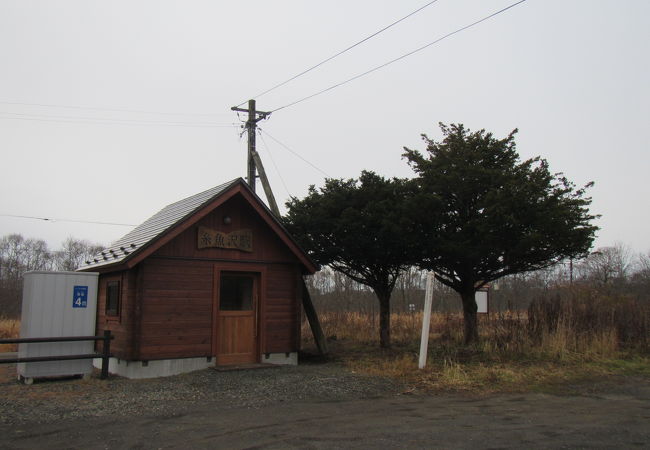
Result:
{"points": [[238, 186], [104, 268]]}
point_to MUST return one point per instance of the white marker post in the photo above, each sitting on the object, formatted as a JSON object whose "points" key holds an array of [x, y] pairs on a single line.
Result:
{"points": [[426, 321]]}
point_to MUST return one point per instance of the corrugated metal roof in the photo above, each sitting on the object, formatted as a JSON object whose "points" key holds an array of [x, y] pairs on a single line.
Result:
{"points": [[155, 226]]}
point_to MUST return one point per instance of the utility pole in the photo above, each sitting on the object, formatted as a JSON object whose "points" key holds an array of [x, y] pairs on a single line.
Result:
{"points": [[251, 126], [254, 160], [255, 164]]}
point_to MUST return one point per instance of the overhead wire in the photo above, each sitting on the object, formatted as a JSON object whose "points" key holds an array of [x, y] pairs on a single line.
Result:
{"points": [[109, 121], [341, 52], [296, 154], [399, 58], [49, 219], [90, 108], [277, 169]]}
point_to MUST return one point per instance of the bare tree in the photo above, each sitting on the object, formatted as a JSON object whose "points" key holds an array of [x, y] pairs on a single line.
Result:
{"points": [[607, 265], [74, 252], [643, 266], [17, 256], [409, 287]]}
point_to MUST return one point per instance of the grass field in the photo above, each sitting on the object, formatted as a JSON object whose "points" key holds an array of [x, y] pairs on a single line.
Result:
{"points": [[567, 338], [561, 339]]}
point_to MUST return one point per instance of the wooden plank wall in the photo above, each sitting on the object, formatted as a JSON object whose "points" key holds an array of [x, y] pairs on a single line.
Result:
{"points": [[282, 309], [121, 326], [176, 309]]}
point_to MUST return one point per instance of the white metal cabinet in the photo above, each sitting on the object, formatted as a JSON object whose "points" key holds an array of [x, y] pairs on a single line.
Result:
{"points": [[57, 304]]}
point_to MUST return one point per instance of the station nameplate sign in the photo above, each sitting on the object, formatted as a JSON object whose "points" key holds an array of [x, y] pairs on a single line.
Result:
{"points": [[240, 239], [80, 297]]}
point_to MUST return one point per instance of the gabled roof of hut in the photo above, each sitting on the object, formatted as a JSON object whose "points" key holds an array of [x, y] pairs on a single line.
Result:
{"points": [[175, 218]]}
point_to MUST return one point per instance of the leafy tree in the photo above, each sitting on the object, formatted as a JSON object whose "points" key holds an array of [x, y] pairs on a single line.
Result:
{"points": [[485, 214], [359, 228]]}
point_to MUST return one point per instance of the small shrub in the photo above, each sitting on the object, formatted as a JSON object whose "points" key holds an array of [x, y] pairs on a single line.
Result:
{"points": [[584, 318], [9, 329]]}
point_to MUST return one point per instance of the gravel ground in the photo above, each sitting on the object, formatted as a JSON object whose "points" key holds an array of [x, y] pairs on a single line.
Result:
{"points": [[315, 407], [53, 400]]}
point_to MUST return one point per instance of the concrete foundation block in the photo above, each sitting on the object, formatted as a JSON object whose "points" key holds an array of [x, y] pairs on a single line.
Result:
{"points": [[154, 369], [290, 359]]}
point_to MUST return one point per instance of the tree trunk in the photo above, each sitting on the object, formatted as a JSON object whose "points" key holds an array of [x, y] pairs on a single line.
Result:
{"points": [[470, 315], [384, 319]]}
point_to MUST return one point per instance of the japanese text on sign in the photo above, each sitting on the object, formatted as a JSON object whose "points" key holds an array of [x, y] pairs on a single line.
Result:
{"points": [[240, 239], [80, 297]]}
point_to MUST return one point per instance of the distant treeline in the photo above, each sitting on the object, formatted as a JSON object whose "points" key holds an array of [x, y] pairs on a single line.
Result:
{"points": [[19, 255], [616, 269], [613, 270]]}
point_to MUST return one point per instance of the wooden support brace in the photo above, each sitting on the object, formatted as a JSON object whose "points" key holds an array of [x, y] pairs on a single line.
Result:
{"points": [[314, 323], [265, 183]]}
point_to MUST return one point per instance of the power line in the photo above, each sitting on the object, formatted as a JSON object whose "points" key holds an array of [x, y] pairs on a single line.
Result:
{"points": [[110, 109], [398, 58], [296, 154], [116, 123], [341, 52], [268, 150], [110, 121], [49, 219]]}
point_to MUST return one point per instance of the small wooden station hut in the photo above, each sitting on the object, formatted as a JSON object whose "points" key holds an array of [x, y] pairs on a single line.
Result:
{"points": [[213, 279]]}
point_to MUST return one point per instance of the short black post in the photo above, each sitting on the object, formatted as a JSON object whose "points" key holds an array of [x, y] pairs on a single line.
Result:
{"points": [[106, 354]]}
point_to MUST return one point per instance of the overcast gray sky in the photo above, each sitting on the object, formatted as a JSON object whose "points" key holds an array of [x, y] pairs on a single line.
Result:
{"points": [[139, 96]]}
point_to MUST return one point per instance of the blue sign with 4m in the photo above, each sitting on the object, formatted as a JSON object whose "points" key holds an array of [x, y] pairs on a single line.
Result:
{"points": [[80, 297]]}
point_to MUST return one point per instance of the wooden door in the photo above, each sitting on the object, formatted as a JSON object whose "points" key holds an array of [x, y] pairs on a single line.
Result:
{"points": [[237, 325]]}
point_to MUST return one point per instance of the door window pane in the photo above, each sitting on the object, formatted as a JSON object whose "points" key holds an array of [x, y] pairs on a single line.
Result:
{"points": [[236, 293]]}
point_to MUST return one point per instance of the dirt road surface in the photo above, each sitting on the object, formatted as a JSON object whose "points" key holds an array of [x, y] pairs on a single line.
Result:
{"points": [[614, 414]]}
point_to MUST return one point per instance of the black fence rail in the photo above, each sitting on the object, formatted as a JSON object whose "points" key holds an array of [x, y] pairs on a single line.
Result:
{"points": [[104, 355]]}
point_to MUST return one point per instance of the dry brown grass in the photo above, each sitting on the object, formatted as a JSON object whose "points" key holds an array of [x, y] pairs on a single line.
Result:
{"points": [[9, 328], [559, 340]]}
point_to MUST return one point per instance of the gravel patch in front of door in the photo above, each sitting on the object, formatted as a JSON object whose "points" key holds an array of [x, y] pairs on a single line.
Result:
{"points": [[47, 401]]}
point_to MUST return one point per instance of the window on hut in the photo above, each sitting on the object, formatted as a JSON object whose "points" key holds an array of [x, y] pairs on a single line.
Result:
{"points": [[112, 298], [236, 293]]}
